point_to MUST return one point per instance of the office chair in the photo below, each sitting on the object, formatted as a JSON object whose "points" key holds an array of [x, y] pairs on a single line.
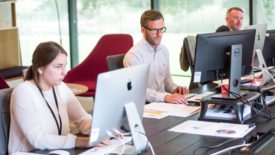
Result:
{"points": [[5, 119], [187, 57], [86, 72], [115, 61], [3, 83]]}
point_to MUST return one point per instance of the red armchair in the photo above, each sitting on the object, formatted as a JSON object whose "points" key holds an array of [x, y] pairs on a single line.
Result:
{"points": [[86, 72], [3, 83]]}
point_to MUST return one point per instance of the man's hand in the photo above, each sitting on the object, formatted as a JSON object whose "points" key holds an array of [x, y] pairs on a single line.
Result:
{"points": [[175, 99], [181, 90]]}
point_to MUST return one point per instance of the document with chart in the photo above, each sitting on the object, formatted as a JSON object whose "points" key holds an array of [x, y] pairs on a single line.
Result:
{"points": [[228, 130]]}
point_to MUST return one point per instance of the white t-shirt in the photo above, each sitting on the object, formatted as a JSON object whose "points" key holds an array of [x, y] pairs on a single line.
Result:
{"points": [[32, 123]]}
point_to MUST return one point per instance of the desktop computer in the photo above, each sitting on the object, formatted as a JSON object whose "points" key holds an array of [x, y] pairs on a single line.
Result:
{"points": [[225, 55]]}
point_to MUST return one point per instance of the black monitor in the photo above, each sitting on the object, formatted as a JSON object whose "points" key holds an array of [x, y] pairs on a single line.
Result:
{"points": [[224, 55], [269, 48], [212, 55]]}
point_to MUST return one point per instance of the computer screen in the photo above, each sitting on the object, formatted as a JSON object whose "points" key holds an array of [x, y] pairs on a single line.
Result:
{"points": [[114, 89], [269, 48], [212, 55], [259, 40]]}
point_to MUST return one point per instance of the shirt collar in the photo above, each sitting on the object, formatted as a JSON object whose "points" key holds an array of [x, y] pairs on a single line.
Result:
{"points": [[159, 47]]}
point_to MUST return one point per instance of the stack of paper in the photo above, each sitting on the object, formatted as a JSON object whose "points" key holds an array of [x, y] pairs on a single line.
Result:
{"points": [[228, 130], [161, 110]]}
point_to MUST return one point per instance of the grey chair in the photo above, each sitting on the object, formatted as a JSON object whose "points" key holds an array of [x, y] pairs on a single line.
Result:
{"points": [[5, 119], [115, 61]]}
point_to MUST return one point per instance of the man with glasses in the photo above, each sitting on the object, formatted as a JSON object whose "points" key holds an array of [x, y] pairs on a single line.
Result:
{"points": [[161, 87], [234, 20]]}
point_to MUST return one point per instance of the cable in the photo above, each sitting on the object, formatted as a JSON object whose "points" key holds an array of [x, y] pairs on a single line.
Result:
{"points": [[255, 109], [148, 143], [214, 146], [59, 26], [151, 148], [230, 148]]}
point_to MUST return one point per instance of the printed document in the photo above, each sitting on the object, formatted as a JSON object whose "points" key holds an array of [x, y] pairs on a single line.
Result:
{"points": [[227, 130], [161, 110]]}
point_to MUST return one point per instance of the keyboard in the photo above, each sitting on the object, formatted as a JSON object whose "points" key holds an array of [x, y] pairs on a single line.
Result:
{"points": [[187, 96], [107, 149], [198, 97]]}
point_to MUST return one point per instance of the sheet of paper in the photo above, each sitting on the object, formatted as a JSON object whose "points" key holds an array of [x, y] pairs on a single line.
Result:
{"points": [[228, 130], [25, 153], [157, 114], [160, 110]]}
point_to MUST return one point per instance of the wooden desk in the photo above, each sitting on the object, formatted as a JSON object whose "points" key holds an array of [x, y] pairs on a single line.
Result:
{"points": [[77, 88]]}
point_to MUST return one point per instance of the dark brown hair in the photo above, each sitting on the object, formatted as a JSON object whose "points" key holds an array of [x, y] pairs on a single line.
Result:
{"points": [[43, 55], [150, 15]]}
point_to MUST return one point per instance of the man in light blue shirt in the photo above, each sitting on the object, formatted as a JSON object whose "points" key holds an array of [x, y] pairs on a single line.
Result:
{"points": [[161, 87]]}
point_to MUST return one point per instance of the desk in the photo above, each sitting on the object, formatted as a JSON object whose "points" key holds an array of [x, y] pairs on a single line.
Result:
{"points": [[170, 143], [77, 88]]}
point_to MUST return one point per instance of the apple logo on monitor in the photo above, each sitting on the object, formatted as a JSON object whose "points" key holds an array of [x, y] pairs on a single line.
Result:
{"points": [[129, 85]]}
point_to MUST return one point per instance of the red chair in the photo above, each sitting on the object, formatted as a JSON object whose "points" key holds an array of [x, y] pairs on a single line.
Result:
{"points": [[3, 83], [86, 72]]}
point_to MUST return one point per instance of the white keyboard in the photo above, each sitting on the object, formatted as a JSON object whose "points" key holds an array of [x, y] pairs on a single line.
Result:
{"points": [[200, 96], [107, 149]]}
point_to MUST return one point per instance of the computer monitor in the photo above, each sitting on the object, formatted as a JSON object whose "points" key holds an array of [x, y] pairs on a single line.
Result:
{"points": [[114, 89], [212, 55], [259, 40], [269, 48]]}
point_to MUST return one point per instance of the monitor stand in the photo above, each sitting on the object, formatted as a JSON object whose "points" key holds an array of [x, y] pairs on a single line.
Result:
{"points": [[267, 77], [137, 131], [235, 74]]}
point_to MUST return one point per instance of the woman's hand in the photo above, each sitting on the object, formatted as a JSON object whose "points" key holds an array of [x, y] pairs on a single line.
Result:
{"points": [[104, 143], [82, 142]]}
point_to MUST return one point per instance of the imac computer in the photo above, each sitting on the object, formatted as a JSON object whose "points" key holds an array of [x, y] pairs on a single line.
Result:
{"points": [[114, 90], [259, 41], [269, 48], [213, 57]]}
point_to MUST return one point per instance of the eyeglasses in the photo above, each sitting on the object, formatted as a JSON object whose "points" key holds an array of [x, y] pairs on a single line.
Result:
{"points": [[161, 30]]}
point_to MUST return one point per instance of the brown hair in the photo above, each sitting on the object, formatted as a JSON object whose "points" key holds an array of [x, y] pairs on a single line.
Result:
{"points": [[150, 15], [233, 8], [43, 55]]}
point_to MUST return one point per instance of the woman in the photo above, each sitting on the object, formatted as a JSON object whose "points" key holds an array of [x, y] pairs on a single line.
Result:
{"points": [[42, 106]]}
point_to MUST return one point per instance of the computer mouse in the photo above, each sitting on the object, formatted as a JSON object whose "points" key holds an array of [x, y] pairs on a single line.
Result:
{"points": [[59, 152]]}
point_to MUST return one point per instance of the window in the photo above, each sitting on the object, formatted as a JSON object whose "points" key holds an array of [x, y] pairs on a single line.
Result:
{"points": [[99, 17], [191, 17], [37, 22], [264, 12]]}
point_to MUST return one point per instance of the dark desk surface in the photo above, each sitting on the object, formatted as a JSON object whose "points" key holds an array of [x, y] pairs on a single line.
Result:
{"points": [[169, 143]]}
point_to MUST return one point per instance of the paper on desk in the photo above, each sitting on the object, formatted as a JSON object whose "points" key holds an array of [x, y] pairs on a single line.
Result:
{"points": [[255, 82], [228, 130], [161, 110], [25, 153]]}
